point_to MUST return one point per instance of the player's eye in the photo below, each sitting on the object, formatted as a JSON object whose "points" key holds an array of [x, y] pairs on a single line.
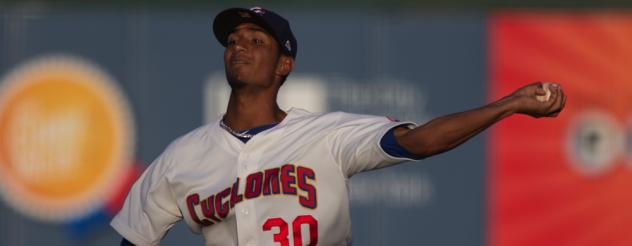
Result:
{"points": [[231, 42], [257, 41]]}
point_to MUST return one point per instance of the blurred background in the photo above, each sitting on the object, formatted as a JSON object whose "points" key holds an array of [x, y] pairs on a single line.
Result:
{"points": [[90, 94]]}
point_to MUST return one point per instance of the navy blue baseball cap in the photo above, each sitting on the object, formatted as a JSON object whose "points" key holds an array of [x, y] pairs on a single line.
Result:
{"points": [[226, 21]]}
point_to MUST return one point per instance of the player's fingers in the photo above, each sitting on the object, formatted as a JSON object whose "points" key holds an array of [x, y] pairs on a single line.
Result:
{"points": [[560, 96], [554, 98], [563, 104], [563, 98], [559, 106], [539, 91], [531, 90], [549, 106]]}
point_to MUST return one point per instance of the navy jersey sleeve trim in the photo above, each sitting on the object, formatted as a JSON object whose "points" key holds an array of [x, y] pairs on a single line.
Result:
{"points": [[390, 146]]}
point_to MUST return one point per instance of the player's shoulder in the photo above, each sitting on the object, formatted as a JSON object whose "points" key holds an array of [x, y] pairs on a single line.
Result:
{"points": [[193, 141], [301, 118], [330, 120]]}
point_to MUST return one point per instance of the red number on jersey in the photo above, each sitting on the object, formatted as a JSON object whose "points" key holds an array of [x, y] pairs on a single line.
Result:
{"points": [[281, 237], [313, 230]]}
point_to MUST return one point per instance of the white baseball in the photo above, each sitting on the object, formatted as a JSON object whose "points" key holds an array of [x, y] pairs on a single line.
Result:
{"points": [[546, 97]]}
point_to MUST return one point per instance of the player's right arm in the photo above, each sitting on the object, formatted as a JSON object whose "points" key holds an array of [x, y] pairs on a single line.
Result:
{"points": [[447, 132], [150, 208]]}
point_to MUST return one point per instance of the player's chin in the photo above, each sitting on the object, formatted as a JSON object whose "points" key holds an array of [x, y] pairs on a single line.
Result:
{"points": [[237, 80], [236, 74]]}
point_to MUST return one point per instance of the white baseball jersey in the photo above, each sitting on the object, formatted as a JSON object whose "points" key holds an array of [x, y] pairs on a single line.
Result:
{"points": [[285, 186]]}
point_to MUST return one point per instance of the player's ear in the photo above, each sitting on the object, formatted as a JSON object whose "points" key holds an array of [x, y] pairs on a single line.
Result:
{"points": [[284, 66]]}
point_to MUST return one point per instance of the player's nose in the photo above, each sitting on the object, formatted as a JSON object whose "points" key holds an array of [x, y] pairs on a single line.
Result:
{"points": [[239, 46]]}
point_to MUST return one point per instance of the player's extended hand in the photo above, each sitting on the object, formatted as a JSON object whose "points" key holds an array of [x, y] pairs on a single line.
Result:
{"points": [[526, 102]]}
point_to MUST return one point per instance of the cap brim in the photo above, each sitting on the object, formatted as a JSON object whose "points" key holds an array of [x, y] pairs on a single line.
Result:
{"points": [[226, 21]]}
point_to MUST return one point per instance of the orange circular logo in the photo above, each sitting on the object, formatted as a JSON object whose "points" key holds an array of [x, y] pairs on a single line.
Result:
{"points": [[65, 137]]}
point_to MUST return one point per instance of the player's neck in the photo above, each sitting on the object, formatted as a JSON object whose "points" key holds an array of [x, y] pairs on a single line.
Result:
{"points": [[248, 110]]}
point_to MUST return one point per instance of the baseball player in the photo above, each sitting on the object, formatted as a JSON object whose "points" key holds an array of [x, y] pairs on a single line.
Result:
{"points": [[264, 176]]}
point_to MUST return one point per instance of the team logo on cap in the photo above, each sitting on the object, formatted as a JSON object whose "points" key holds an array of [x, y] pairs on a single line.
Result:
{"points": [[258, 10], [65, 138], [287, 45]]}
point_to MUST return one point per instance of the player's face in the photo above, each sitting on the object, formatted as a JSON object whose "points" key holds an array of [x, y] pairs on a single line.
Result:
{"points": [[251, 57]]}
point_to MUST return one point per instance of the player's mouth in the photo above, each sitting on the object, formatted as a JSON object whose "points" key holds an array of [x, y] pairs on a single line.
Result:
{"points": [[239, 60]]}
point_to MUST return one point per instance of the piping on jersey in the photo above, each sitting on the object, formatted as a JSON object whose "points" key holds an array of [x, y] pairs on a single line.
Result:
{"points": [[288, 179]]}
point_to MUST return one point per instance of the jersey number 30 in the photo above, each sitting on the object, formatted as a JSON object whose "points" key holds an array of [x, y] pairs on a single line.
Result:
{"points": [[281, 237]]}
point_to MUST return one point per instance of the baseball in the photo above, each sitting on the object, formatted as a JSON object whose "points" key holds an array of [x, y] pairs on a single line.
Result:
{"points": [[546, 97]]}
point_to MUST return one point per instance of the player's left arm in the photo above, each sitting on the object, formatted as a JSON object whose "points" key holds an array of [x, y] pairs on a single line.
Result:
{"points": [[447, 132]]}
